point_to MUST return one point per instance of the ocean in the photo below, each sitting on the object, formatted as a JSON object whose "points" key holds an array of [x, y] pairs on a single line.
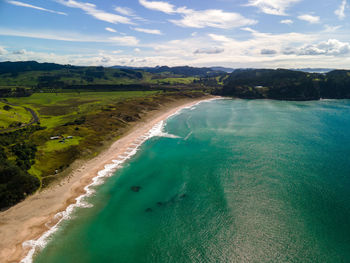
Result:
{"points": [[227, 180]]}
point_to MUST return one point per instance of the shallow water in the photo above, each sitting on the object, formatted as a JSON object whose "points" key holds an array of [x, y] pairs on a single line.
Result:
{"points": [[241, 181]]}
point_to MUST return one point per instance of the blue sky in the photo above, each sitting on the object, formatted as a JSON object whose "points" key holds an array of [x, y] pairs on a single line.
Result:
{"points": [[232, 33]]}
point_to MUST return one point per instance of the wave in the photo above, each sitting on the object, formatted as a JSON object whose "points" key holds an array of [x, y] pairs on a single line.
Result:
{"points": [[109, 169]]}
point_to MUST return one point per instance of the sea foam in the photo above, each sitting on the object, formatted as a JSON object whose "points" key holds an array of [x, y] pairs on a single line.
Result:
{"points": [[156, 131]]}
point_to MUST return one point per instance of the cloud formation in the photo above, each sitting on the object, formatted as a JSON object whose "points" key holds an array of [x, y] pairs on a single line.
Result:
{"points": [[331, 47], [212, 18], [71, 37], [125, 40], [199, 19], [273, 7], [148, 31], [287, 21], [124, 11], [158, 6], [340, 12], [92, 10], [310, 18], [3, 51], [111, 30], [18, 3]]}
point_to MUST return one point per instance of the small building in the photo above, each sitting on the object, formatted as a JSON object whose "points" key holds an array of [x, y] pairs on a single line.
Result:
{"points": [[55, 137], [69, 137]]}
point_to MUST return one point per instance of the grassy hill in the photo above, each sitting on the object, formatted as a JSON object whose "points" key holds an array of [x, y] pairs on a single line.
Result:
{"points": [[287, 84], [48, 76], [12, 116]]}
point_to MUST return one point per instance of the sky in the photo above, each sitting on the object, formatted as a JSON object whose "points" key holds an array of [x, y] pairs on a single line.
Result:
{"points": [[229, 33]]}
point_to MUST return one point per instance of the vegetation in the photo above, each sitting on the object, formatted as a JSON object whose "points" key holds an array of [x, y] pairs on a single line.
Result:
{"points": [[18, 79], [286, 84], [13, 116], [75, 123], [185, 71], [17, 155]]}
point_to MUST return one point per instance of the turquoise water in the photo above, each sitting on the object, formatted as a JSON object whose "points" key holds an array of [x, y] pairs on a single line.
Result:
{"points": [[246, 181]]}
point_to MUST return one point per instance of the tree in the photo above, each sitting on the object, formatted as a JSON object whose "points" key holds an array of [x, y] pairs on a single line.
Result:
{"points": [[7, 107]]}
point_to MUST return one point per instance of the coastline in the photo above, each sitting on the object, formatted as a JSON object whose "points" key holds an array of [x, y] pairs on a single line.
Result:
{"points": [[35, 216]]}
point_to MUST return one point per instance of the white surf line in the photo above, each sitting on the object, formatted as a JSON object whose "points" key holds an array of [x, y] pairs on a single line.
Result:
{"points": [[188, 135], [109, 169]]}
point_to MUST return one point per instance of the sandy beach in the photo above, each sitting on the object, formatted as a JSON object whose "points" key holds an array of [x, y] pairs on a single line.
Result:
{"points": [[29, 219]]}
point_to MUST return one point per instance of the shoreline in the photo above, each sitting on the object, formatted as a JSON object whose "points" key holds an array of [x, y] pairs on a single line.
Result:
{"points": [[35, 217]]}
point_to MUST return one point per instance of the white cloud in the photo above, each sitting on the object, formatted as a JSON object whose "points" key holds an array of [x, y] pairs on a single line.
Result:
{"points": [[273, 7], [124, 11], [200, 19], [71, 37], [248, 29], [137, 50], [17, 3], [330, 29], [212, 18], [310, 18], [92, 10], [110, 29], [251, 48], [62, 36], [3, 51], [331, 47], [125, 40], [287, 21], [148, 31], [158, 6], [340, 12], [219, 38], [237, 53], [129, 12]]}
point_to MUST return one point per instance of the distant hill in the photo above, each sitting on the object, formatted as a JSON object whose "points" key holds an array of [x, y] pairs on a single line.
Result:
{"points": [[185, 71], [22, 66], [283, 84], [227, 70], [314, 70], [32, 74], [27, 77]]}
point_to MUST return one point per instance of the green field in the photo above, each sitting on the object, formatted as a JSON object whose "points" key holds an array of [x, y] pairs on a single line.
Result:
{"points": [[74, 77], [70, 77], [86, 116], [14, 115], [59, 108]]}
